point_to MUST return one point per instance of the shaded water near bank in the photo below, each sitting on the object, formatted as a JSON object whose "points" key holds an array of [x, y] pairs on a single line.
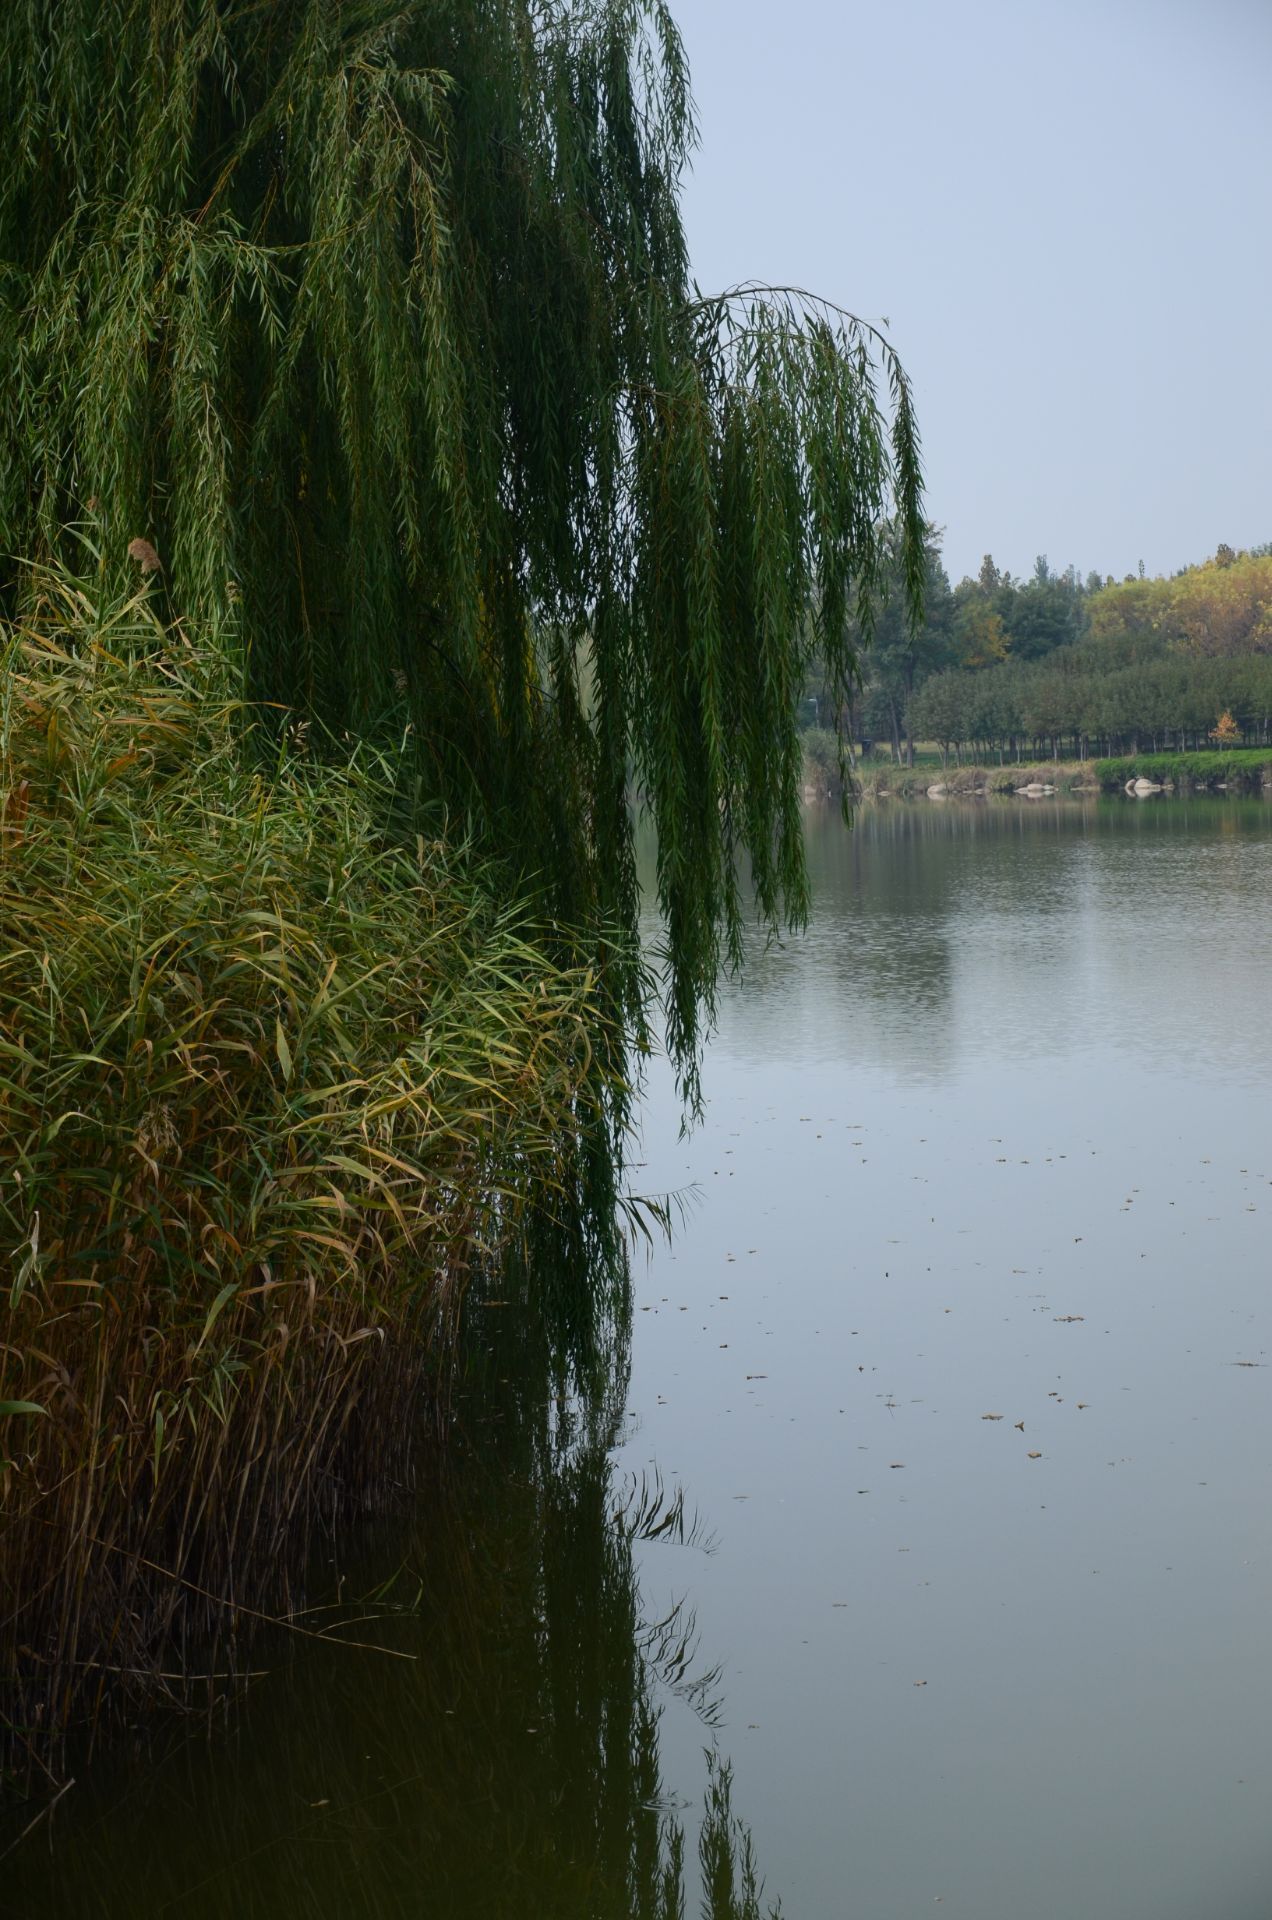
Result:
{"points": [[991, 1140]]}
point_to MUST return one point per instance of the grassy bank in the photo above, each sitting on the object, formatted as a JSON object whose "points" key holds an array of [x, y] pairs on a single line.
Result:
{"points": [[272, 1084], [1233, 766], [912, 783], [873, 778]]}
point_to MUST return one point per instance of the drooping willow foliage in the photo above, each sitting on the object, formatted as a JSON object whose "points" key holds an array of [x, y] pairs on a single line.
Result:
{"points": [[375, 318]]}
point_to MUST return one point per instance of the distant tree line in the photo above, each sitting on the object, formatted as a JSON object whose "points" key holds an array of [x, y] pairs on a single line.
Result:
{"points": [[1079, 702], [1059, 665]]}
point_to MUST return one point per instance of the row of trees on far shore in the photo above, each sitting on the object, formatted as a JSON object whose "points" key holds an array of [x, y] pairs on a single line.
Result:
{"points": [[1074, 705], [1061, 664]]}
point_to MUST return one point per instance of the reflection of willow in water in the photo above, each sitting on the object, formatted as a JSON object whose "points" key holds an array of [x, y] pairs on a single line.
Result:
{"points": [[507, 1766]]}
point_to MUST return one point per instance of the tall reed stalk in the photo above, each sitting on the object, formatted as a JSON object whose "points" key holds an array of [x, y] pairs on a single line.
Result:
{"points": [[273, 1081]]}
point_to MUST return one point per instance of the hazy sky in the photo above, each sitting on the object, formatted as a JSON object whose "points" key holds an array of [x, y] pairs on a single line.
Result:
{"points": [[1064, 210]]}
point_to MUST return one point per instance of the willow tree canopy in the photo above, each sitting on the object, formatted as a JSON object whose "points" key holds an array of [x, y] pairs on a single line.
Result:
{"points": [[375, 318]]}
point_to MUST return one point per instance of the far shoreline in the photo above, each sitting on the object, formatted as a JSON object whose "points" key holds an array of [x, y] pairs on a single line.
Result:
{"points": [[1144, 776]]}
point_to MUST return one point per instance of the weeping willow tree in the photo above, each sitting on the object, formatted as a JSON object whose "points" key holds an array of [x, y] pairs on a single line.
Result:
{"points": [[374, 319]]}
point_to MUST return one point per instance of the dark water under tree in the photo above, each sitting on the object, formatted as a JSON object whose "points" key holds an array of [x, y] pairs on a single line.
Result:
{"points": [[992, 1140]]}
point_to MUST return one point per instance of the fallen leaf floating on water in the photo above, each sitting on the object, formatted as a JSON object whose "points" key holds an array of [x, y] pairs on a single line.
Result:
{"points": [[1035, 1456], [991, 1416]]}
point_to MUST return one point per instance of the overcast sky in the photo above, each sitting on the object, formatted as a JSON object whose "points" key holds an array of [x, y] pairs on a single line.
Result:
{"points": [[1064, 210]]}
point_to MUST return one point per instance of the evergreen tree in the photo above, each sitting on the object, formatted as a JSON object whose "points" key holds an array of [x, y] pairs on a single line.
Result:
{"points": [[374, 319]]}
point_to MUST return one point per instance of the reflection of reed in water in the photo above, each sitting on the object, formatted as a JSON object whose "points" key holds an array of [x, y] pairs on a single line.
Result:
{"points": [[508, 1766]]}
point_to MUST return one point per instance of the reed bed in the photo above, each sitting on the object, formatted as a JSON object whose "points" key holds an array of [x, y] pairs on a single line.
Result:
{"points": [[273, 1083]]}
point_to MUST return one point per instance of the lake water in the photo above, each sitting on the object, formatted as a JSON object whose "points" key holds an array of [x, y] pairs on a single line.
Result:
{"points": [[962, 1359]]}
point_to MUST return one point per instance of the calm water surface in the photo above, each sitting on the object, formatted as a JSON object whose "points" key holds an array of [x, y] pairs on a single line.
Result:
{"points": [[991, 1140]]}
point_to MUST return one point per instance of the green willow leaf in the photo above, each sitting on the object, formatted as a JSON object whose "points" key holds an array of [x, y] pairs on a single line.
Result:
{"points": [[368, 334]]}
